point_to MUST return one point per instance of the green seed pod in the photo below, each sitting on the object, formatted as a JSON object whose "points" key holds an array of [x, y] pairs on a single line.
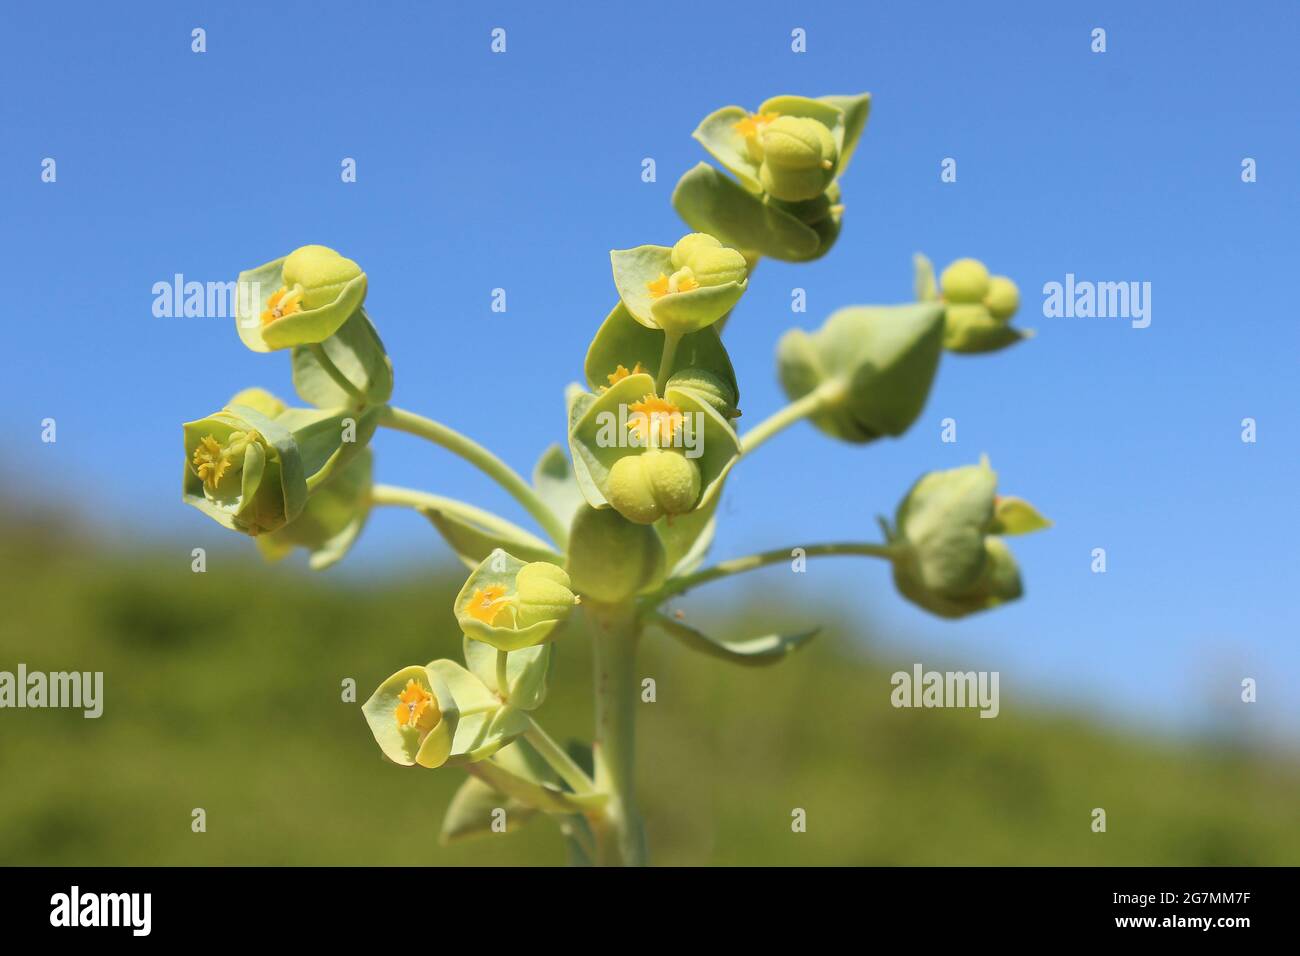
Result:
{"points": [[717, 266], [1002, 298], [543, 593], [708, 387], [966, 280], [611, 558], [796, 142], [321, 272], [630, 492], [684, 247], [798, 159], [674, 478], [792, 185], [645, 487]]}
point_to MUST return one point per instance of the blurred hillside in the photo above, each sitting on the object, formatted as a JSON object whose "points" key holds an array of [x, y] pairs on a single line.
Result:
{"points": [[222, 691]]}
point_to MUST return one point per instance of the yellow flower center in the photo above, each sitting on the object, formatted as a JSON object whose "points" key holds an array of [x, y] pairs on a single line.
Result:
{"points": [[622, 372], [753, 124], [210, 463], [417, 708], [654, 416], [683, 280], [282, 303], [487, 603]]}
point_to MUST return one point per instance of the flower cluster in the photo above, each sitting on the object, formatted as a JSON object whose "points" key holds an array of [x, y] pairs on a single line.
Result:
{"points": [[629, 512]]}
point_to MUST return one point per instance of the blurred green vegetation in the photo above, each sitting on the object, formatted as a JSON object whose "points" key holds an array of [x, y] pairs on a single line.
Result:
{"points": [[222, 691]]}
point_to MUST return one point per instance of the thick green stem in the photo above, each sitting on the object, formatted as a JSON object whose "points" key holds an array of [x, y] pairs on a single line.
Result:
{"points": [[799, 409], [753, 561], [478, 456], [619, 830]]}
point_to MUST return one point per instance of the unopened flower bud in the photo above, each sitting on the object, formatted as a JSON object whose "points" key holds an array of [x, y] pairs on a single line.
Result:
{"points": [[611, 558]]}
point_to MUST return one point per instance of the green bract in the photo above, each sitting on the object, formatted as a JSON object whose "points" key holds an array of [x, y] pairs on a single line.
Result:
{"points": [[630, 417], [622, 346], [977, 306], [610, 558], [876, 364], [244, 470], [511, 604], [333, 518], [252, 465], [681, 289], [527, 671], [439, 714], [948, 559], [300, 299], [787, 157], [354, 353]]}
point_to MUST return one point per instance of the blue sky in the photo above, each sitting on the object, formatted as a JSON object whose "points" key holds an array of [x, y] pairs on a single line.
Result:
{"points": [[522, 170]]}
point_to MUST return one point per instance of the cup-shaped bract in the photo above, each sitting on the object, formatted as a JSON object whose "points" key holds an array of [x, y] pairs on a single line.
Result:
{"points": [[610, 558], [949, 558], [787, 157], [622, 347], [300, 299], [332, 519], [439, 714], [628, 419], [244, 470], [252, 466], [877, 363], [978, 307], [513, 604], [354, 354], [683, 288], [527, 671]]}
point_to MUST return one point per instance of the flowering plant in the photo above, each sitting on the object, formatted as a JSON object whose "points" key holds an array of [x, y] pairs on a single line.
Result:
{"points": [[628, 513]]}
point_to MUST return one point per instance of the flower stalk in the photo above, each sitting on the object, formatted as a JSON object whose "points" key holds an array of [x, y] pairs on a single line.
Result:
{"points": [[403, 421]]}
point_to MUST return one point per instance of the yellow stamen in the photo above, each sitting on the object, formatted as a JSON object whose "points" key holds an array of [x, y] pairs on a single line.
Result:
{"points": [[210, 462], [681, 281], [653, 414], [487, 603], [753, 124], [282, 303], [621, 373], [417, 708]]}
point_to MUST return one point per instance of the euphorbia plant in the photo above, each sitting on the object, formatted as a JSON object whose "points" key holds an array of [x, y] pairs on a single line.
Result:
{"points": [[627, 515]]}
